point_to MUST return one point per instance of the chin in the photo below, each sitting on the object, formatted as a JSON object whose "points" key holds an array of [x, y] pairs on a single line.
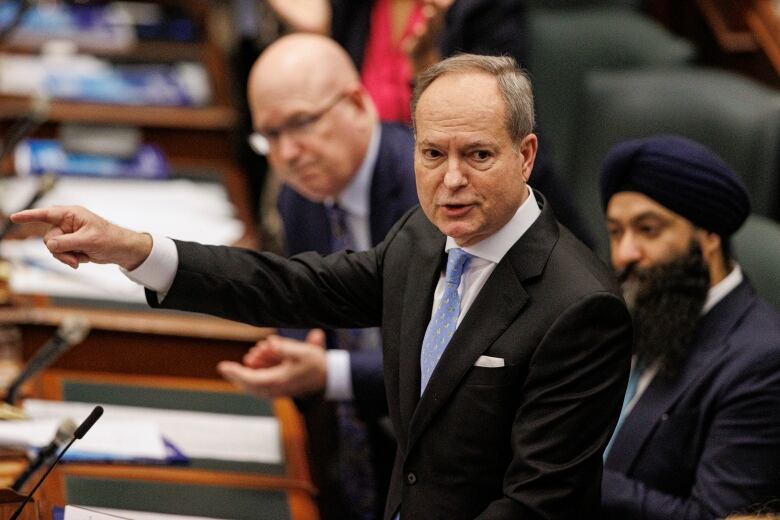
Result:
{"points": [[460, 235]]}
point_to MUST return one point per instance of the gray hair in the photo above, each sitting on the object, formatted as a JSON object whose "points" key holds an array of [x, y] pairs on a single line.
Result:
{"points": [[514, 86]]}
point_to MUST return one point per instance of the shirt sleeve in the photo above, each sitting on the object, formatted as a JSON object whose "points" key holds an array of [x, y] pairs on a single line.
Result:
{"points": [[159, 269], [338, 382]]}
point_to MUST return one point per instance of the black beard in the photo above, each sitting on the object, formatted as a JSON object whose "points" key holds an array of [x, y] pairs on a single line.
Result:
{"points": [[666, 302]]}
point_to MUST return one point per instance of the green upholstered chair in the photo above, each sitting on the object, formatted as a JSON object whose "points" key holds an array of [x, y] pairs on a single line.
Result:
{"points": [[566, 44], [757, 248], [574, 4], [213, 501], [735, 117]]}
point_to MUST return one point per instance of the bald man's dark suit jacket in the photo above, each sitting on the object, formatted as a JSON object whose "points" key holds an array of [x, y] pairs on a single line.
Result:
{"points": [[520, 441], [706, 443], [307, 228]]}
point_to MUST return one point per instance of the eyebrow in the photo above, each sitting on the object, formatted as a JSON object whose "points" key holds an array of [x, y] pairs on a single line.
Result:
{"points": [[474, 144], [642, 216]]}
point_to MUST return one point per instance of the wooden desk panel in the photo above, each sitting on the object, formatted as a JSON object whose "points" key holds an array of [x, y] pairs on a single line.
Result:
{"points": [[763, 18], [138, 342], [745, 26], [289, 495]]}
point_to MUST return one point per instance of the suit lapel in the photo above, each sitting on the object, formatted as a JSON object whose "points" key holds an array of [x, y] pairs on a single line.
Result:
{"points": [[662, 394], [423, 275], [497, 305]]}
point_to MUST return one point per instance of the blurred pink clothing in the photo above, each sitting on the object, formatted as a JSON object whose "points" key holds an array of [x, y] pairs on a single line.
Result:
{"points": [[387, 73]]}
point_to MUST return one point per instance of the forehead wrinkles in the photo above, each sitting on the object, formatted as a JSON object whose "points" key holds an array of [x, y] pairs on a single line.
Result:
{"points": [[437, 125]]}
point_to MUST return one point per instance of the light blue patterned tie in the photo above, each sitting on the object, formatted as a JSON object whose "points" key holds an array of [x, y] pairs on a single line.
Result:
{"points": [[445, 319]]}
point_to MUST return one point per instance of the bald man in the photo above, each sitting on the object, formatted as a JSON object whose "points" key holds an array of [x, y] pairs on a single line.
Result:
{"points": [[347, 180]]}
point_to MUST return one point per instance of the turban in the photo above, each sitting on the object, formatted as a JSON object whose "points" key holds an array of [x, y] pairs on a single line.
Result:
{"points": [[681, 175]]}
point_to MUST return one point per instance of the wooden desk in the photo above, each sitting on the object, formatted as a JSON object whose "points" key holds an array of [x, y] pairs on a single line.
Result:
{"points": [[136, 341], [34, 510], [745, 26], [287, 494], [193, 138]]}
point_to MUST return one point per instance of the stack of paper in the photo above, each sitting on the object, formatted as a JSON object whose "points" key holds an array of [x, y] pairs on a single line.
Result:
{"points": [[179, 208], [109, 440], [196, 434], [94, 513]]}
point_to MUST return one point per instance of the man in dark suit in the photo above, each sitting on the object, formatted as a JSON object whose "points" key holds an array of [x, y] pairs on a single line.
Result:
{"points": [[347, 180], [699, 436], [506, 344]]}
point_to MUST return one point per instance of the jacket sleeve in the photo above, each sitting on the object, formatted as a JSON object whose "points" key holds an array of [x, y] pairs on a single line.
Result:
{"points": [[569, 407], [739, 464], [341, 290]]}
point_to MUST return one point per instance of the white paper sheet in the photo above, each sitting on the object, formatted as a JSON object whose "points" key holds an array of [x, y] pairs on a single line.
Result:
{"points": [[102, 513], [120, 439], [178, 208], [196, 434]]}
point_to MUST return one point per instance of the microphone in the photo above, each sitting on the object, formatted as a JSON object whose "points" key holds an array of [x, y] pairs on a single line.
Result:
{"points": [[88, 423], [27, 124], [64, 433], [45, 185], [72, 331], [78, 434]]}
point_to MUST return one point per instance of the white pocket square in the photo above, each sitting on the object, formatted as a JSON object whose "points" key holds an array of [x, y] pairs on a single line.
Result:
{"points": [[489, 362]]}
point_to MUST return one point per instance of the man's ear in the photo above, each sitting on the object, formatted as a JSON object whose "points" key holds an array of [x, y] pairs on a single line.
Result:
{"points": [[357, 96], [710, 243], [711, 246], [527, 148]]}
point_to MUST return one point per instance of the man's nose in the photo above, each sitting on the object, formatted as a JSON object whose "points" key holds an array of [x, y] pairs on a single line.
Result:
{"points": [[454, 177], [625, 252], [288, 147]]}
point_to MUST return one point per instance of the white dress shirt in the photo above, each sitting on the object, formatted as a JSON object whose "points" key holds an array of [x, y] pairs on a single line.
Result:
{"points": [[159, 269], [487, 253]]}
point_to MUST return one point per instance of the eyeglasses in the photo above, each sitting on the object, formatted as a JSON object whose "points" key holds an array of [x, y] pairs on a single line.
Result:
{"points": [[262, 140]]}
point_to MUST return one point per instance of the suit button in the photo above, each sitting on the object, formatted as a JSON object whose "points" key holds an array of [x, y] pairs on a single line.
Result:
{"points": [[411, 478]]}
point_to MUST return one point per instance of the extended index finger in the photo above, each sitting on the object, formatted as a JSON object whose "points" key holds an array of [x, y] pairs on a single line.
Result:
{"points": [[53, 215]]}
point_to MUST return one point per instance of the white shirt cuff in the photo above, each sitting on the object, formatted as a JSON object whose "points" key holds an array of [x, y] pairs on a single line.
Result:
{"points": [[338, 381], [159, 269]]}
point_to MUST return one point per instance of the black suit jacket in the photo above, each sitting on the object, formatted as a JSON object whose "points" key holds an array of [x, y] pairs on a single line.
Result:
{"points": [[706, 443], [307, 228], [521, 441]]}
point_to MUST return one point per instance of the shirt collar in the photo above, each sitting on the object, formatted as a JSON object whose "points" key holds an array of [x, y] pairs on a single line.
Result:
{"points": [[356, 197], [721, 289], [494, 247]]}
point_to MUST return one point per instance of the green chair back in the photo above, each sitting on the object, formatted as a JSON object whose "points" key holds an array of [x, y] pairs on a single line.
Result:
{"points": [[757, 249], [230, 503], [564, 45], [734, 116]]}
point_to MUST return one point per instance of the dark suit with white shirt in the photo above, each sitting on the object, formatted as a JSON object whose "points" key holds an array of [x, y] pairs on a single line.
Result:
{"points": [[707, 442], [520, 441]]}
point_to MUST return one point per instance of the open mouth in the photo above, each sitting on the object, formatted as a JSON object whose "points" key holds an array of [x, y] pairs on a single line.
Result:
{"points": [[456, 210]]}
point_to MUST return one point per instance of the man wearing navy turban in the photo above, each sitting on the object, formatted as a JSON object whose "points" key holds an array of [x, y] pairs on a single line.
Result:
{"points": [[699, 434]]}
